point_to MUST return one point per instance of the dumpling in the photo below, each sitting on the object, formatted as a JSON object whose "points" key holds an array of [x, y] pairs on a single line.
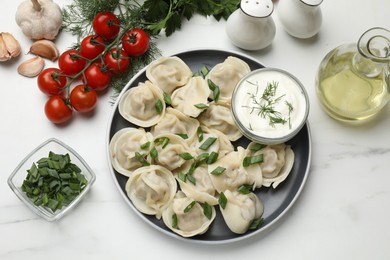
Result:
{"points": [[168, 73], [177, 123], [234, 174], [284, 171], [168, 148], [218, 116], [227, 74], [277, 162], [221, 145], [200, 188], [241, 210], [143, 105], [186, 217], [151, 189], [195, 92], [123, 147]]}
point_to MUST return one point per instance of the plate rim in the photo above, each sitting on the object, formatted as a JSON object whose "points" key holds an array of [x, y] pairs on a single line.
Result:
{"points": [[172, 234]]}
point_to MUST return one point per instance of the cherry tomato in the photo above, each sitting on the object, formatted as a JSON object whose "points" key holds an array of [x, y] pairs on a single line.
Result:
{"points": [[117, 61], [91, 46], [135, 42], [51, 81], [106, 24], [97, 77], [71, 63], [82, 99], [57, 111]]}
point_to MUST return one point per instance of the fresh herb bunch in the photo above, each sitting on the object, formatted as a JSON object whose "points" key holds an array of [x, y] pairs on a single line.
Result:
{"points": [[152, 16]]}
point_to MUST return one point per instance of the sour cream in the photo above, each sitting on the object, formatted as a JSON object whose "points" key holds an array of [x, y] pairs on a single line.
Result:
{"points": [[270, 105]]}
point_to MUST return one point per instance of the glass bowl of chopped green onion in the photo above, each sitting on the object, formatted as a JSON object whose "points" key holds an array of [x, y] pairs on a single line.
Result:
{"points": [[52, 179]]}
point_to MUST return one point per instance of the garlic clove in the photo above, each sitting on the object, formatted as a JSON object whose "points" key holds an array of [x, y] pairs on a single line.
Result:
{"points": [[31, 67], [4, 54], [46, 49], [12, 45]]}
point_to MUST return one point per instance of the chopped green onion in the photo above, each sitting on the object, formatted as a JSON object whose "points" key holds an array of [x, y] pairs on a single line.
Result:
{"points": [[201, 158], [222, 200], [141, 158], [252, 160], [174, 221], [159, 106], [207, 210], [163, 141], [256, 223], [184, 136], [182, 176], [191, 178], [167, 98], [209, 142], [256, 147], [186, 156], [189, 207], [213, 157], [145, 145], [245, 189], [201, 106], [218, 171], [153, 153], [199, 134], [215, 89]]}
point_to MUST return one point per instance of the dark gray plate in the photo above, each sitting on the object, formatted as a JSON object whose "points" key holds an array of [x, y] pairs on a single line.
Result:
{"points": [[276, 201]]}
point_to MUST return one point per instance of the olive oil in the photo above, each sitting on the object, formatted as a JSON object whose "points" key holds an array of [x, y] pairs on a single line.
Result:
{"points": [[348, 94]]}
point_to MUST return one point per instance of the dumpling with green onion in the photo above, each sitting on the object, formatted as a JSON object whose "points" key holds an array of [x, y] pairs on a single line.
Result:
{"points": [[187, 217], [227, 74], [170, 150], [192, 98], [211, 140], [124, 146], [151, 189], [240, 210], [277, 162], [196, 184], [230, 172], [143, 105]]}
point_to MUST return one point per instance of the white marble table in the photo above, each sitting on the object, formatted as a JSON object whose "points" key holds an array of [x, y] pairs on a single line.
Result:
{"points": [[343, 211]]}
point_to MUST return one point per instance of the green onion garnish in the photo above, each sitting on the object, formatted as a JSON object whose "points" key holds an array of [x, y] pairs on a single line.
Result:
{"points": [[206, 144], [207, 210], [54, 181], [252, 160], [218, 171], [159, 106], [189, 207], [222, 200]]}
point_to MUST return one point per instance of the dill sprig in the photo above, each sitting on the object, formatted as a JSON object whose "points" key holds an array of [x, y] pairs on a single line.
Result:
{"points": [[264, 104]]}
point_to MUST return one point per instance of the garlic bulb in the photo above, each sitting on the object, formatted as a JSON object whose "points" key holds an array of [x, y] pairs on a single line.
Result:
{"points": [[39, 19]]}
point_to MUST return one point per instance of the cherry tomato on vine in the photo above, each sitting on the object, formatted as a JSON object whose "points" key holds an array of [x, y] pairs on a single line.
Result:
{"points": [[57, 111], [97, 77], [71, 63], [117, 61], [51, 81], [82, 99], [135, 42], [91, 46], [106, 24]]}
